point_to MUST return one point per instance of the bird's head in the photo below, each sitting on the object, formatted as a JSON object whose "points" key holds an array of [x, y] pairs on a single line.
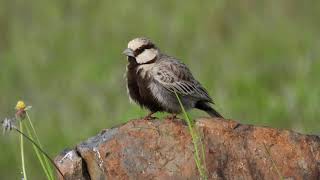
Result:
{"points": [[142, 50]]}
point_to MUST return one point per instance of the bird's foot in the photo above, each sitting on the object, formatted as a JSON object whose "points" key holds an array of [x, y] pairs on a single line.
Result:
{"points": [[236, 126], [173, 116], [149, 116]]}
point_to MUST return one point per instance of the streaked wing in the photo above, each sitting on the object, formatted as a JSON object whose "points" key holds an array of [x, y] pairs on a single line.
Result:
{"points": [[176, 77]]}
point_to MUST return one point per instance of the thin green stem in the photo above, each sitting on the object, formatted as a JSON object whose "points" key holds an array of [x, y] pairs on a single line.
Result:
{"points": [[203, 154], [195, 141], [39, 156], [22, 153], [47, 168], [41, 150], [273, 163]]}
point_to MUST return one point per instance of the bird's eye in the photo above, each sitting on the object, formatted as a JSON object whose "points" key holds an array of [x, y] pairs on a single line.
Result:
{"points": [[142, 48]]}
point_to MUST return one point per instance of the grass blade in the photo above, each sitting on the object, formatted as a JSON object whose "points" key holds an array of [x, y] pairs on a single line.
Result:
{"points": [[39, 156], [46, 166], [273, 163], [195, 140], [41, 150]]}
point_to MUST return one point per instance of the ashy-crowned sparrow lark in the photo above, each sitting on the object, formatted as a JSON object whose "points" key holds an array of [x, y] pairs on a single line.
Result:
{"points": [[153, 78]]}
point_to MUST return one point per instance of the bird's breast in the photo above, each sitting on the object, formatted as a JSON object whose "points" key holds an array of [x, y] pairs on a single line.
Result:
{"points": [[144, 71], [139, 79]]}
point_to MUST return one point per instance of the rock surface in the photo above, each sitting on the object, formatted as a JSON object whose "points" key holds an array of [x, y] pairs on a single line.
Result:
{"points": [[163, 149]]}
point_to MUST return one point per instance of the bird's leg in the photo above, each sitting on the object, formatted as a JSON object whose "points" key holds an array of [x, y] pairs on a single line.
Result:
{"points": [[173, 116], [149, 116]]}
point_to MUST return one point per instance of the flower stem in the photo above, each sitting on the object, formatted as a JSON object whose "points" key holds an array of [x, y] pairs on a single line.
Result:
{"points": [[22, 153], [41, 150], [39, 156], [46, 166]]}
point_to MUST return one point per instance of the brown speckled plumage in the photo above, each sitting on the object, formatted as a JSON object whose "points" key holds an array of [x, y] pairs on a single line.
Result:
{"points": [[138, 88], [153, 77]]}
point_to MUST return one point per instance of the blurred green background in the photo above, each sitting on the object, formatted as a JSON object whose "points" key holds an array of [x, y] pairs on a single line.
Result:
{"points": [[259, 60]]}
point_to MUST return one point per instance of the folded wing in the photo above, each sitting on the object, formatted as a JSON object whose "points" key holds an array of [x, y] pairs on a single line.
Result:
{"points": [[176, 77]]}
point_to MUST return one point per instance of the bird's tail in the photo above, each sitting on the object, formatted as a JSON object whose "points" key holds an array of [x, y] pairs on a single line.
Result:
{"points": [[208, 109], [214, 113]]}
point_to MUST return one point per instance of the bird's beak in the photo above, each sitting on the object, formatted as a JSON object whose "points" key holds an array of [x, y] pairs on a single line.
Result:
{"points": [[128, 52]]}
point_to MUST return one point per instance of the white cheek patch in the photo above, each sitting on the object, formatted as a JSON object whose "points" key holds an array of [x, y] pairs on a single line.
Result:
{"points": [[146, 56]]}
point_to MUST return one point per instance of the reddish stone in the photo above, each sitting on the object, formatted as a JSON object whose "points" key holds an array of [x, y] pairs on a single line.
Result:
{"points": [[162, 149]]}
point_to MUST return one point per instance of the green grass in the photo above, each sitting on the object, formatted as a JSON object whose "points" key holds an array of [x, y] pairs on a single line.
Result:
{"points": [[41, 157], [275, 167], [259, 60], [197, 143]]}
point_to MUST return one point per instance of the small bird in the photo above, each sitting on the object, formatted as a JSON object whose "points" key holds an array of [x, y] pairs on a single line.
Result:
{"points": [[154, 79]]}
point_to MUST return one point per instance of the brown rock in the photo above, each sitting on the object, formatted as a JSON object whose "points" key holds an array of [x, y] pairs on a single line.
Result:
{"points": [[72, 166], [142, 149]]}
